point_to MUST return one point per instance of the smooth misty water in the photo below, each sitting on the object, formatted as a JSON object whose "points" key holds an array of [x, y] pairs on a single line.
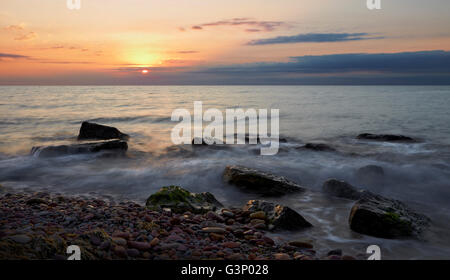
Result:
{"points": [[418, 173]]}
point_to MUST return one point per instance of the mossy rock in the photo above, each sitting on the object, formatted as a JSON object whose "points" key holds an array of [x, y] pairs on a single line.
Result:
{"points": [[180, 200], [386, 218]]}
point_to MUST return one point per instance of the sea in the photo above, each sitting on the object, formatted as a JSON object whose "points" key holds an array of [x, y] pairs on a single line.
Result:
{"points": [[416, 173]]}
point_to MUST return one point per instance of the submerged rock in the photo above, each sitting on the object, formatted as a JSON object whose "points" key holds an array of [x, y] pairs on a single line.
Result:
{"points": [[55, 151], [342, 189], [370, 173], [206, 141], [278, 217], [259, 182], [385, 137], [319, 147], [89, 131], [386, 218], [180, 200], [256, 139], [371, 170]]}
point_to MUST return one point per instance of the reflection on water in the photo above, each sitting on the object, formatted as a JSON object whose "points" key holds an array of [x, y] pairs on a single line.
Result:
{"points": [[416, 173]]}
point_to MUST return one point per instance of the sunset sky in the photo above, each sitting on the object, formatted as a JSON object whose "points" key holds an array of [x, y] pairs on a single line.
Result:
{"points": [[224, 42]]}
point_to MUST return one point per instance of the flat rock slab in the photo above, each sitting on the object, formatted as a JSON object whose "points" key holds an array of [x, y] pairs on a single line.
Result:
{"points": [[385, 137], [252, 180]]}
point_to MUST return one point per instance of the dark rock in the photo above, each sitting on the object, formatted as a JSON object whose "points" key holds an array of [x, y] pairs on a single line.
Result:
{"points": [[141, 246], [101, 132], [180, 200], [385, 137], [120, 251], [55, 151], [206, 141], [259, 139], [337, 252], [35, 201], [305, 244], [278, 217], [342, 189], [259, 182], [214, 142], [319, 147], [386, 218], [133, 253]]}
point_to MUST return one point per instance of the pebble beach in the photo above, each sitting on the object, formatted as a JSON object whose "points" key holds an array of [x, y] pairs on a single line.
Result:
{"points": [[42, 225]]}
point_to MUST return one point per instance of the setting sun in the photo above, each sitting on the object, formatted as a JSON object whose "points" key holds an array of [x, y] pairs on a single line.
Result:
{"points": [[145, 71]]}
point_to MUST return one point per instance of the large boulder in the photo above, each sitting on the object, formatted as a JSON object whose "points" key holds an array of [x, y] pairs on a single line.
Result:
{"points": [[385, 137], [259, 182], [89, 131], [62, 150], [278, 217], [386, 218], [180, 200], [342, 189]]}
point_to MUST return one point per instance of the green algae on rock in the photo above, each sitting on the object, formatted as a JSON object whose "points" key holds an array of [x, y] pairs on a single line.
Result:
{"points": [[180, 200], [386, 218]]}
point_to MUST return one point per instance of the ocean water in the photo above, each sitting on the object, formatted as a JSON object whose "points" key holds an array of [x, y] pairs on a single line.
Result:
{"points": [[416, 173]]}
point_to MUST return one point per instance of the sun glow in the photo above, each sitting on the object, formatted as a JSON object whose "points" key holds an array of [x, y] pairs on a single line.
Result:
{"points": [[144, 72], [139, 57]]}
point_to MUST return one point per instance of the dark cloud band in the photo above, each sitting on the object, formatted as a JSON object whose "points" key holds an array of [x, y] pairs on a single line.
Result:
{"points": [[314, 38]]}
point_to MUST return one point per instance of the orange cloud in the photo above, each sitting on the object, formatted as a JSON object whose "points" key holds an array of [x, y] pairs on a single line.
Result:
{"points": [[20, 32], [26, 37], [17, 27]]}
